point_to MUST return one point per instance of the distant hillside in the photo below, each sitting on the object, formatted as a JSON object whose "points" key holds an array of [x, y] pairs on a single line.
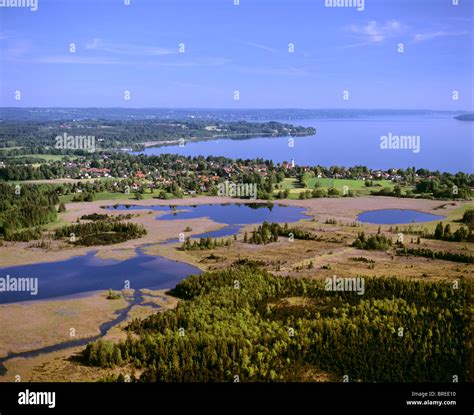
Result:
{"points": [[465, 117], [203, 114]]}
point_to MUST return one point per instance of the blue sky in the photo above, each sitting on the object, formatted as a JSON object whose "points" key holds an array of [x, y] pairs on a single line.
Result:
{"points": [[227, 48]]}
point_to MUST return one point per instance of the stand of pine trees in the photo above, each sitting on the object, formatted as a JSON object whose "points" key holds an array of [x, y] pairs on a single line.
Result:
{"points": [[101, 232], [444, 233], [241, 322], [25, 206], [446, 256], [372, 242], [269, 232], [204, 243]]}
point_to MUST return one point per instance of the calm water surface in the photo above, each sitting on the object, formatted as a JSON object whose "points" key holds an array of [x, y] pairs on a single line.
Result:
{"points": [[446, 144], [396, 216], [89, 273]]}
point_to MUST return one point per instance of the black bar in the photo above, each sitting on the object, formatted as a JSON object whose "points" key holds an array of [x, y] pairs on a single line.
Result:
{"points": [[87, 396]]}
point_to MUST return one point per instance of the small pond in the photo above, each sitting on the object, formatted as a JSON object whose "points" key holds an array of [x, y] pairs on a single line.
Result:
{"points": [[396, 216]]}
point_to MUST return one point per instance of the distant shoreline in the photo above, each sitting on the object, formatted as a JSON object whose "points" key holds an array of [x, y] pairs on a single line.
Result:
{"points": [[465, 117]]}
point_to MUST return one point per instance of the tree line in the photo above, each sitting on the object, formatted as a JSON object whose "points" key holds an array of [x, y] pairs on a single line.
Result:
{"points": [[443, 255], [269, 232], [100, 232], [204, 243], [240, 323], [461, 234]]}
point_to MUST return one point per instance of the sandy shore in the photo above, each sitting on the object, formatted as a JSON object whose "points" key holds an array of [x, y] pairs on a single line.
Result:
{"points": [[347, 209], [31, 325], [344, 209], [16, 253]]}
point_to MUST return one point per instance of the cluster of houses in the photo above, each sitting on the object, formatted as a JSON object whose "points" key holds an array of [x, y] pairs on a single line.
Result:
{"points": [[94, 172], [166, 175]]}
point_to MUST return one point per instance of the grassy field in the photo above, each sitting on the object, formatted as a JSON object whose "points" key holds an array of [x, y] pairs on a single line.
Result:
{"points": [[351, 183], [47, 157], [457, 213], [289, 184], [44, 323], [332, 254], [117, 196], [109, 196], [358, 187]]}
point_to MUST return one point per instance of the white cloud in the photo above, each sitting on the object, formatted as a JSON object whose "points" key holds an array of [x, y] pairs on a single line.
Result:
{"points": [[272, 71], [128, 48], [374, 32], [419, 37], [16, 48], [101, 60], [261, 47], [191, 63], [73, 59]]}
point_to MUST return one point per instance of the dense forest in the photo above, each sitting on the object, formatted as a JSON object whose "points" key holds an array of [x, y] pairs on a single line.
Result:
{"points": [[114, 134], [25, 206], [244, 323], [102, 232]]}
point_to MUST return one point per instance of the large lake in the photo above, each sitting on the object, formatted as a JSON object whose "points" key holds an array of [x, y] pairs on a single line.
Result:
{"points": [[89, 273], [446, 144]]}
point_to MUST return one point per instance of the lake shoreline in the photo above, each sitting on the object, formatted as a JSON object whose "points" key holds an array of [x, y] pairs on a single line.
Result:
{"points": [[343, 209], [331, 255], [52, 320], [341, 141]]}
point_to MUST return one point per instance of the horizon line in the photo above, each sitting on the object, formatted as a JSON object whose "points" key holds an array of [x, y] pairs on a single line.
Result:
{"points": [[236, 109]]}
